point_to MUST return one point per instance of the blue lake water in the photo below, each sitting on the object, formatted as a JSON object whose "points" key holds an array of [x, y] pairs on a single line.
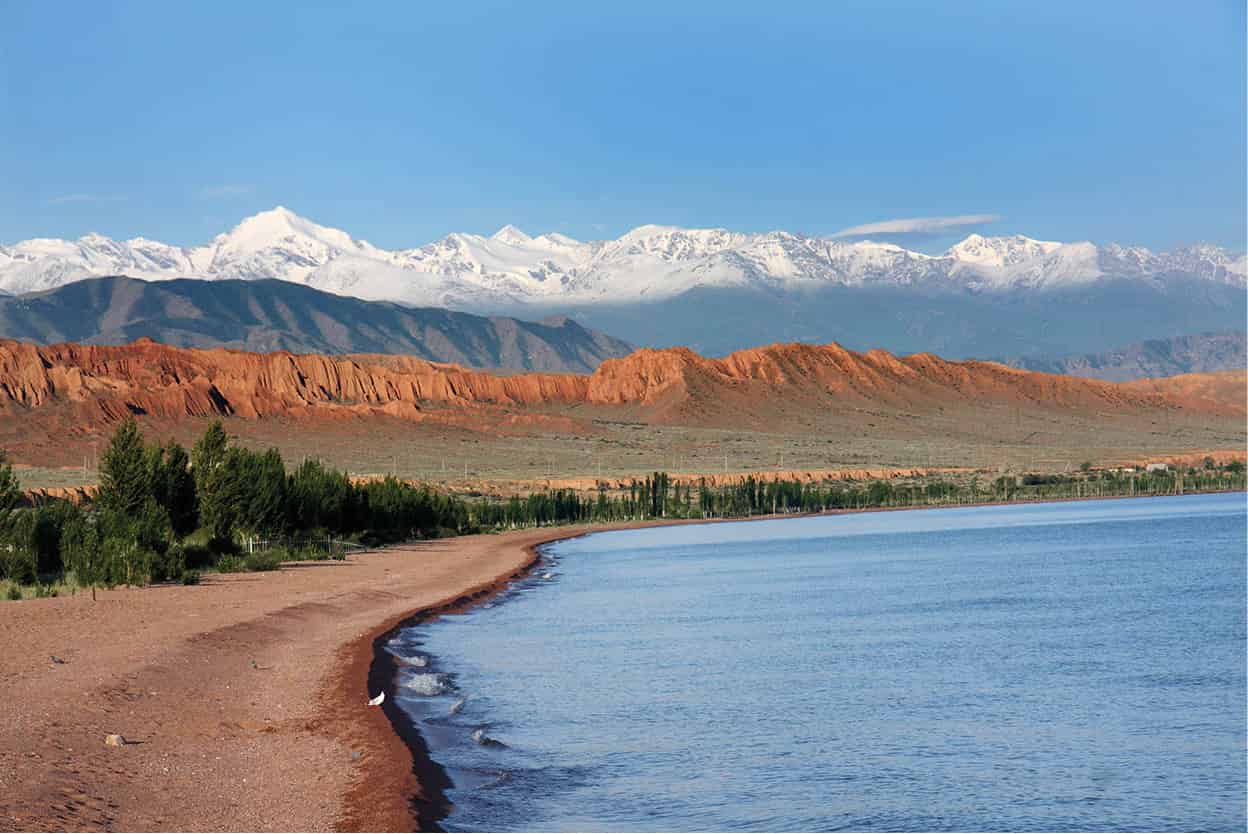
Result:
{"points": [[1043, 667]]}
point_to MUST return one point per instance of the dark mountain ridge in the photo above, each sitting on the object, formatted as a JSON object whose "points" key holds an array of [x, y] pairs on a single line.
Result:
{"points": [[955, 323], [1151, 358], [271, 315]]}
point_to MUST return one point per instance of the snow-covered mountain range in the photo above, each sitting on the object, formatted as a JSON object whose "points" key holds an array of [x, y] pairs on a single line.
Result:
{"points": [[649, 263]]}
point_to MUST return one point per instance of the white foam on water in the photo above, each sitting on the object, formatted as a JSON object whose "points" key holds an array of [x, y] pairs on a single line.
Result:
{"points": [[418, 660], [481, 738], [427, 683]]}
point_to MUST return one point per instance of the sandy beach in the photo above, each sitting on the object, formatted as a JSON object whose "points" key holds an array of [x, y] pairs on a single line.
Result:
{"points": [[244, 697]]}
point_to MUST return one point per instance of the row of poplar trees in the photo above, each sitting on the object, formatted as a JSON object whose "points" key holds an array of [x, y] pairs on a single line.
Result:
{"points": [[161, 511]]}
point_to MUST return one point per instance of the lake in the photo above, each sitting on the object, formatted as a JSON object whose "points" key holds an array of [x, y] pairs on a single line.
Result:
{"points": [[1064, 666]]}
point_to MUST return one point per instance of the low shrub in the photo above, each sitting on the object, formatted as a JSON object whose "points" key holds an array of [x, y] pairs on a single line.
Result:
{"points": [[17, 563], [14, 592], [190, 577], [201, 549], [195, 556], [229, 564], [170, 565], [307, 553], [264, 560]]}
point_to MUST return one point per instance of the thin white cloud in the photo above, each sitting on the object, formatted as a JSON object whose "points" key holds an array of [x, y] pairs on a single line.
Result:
{"points": [[918, 225], [82, 197], [220, 192]]}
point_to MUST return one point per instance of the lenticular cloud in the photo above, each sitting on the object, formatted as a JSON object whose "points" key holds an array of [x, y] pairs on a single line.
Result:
{"points": [[918, 225]]}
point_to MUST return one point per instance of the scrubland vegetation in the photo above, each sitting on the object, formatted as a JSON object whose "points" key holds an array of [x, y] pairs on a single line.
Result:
{"points": [[163, 514]]}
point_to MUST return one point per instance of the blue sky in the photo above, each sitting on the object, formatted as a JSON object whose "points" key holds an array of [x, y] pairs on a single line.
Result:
{"points": [[1087, 120]]}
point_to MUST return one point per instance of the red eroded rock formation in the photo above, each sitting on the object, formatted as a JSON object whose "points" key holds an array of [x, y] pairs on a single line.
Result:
{"points": [[148, 378], [102, 384], [1222, 390]]}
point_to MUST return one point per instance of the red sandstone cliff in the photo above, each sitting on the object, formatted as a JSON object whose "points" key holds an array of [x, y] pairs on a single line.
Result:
{"points": [[102, 384]]}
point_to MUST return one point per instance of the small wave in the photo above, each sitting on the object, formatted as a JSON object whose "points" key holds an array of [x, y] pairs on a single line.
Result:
{"points": [[481, 738], [428, 683], [502, 778], [420, 661], [458, 705], [1184, 681]]}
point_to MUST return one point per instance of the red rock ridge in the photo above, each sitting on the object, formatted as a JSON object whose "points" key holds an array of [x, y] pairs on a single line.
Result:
{"points": [[105, 383]]}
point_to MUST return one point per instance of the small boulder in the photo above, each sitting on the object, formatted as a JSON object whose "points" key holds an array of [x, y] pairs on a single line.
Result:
{"points": [[115, 740]]}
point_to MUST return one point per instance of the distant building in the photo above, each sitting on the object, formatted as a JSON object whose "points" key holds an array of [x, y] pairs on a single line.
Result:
{"points": [[1157, 467]]}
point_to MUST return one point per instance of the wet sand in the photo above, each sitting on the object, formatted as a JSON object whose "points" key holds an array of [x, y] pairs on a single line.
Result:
{"points": [[245, 695]]}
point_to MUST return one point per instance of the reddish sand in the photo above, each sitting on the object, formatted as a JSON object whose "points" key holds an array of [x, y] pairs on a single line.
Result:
{"points": [[246, 695]]}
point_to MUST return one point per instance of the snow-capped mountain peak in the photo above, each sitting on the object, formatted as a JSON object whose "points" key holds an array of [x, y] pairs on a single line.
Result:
{"points": [[281, 225], [509, 268], [511, 235], [1000, 251], [673, 242], [277, 244]]}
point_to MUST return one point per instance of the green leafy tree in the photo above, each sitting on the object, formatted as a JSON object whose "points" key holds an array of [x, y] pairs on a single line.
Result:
{"points": [[125, 481], [208, 452], [264, 508], [10, 491], [173, 486], [18, 559], [223, 492], [80, 551], [320, 498], [216, 488]]}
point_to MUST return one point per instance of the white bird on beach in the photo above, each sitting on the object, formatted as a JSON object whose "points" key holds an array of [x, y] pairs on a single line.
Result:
{"points": [[376, 702]]}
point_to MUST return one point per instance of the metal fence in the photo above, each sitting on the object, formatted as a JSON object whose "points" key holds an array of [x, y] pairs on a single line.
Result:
{"points": [[331, 547]]}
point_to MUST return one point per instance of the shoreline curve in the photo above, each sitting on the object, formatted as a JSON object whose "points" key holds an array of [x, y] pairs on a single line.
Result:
{"points": [[245, 694], [426, 800]]}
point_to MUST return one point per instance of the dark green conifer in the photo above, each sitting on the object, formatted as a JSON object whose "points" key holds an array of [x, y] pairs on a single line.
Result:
{"points": [[125, 480]]}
